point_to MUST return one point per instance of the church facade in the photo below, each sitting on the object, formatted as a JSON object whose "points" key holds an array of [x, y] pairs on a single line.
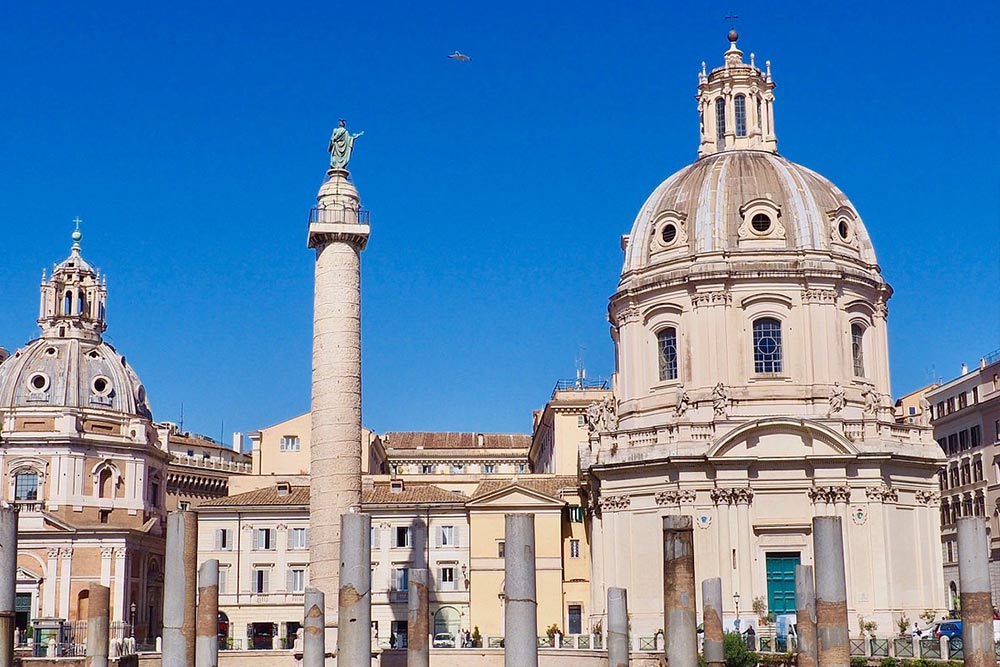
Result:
{"points": [[752, 387]]}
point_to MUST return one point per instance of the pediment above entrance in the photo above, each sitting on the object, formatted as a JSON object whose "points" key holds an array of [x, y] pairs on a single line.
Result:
{"points": [[781, 438]]}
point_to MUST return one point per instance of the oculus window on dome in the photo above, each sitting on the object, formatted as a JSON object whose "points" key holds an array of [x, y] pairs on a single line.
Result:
{"points": [[666, 342], [761, 222], [767, 346]]}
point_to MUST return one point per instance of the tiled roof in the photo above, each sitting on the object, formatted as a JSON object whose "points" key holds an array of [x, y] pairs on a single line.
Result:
{"points": [[297, 495], [550, 486], [461, 440], [383, 494]]}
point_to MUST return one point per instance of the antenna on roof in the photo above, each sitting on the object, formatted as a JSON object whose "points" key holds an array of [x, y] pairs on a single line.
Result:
{"points": [[581, 369], [181, 426]]}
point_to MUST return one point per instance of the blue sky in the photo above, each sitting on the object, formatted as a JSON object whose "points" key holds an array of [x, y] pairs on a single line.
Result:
{"points": [[191, 138]]}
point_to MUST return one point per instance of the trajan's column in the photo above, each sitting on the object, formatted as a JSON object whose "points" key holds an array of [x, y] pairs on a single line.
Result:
{"points": [[338, 230]]}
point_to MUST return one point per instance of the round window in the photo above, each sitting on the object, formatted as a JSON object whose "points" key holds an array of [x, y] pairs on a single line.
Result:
{"points": [[141, 394], [51, 351], [101, 385], [844, 229], [761, 223], [669, 233], [38, 382]]}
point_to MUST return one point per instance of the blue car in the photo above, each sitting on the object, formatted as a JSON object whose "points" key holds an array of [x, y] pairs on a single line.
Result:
{"points": [[949, 629]]}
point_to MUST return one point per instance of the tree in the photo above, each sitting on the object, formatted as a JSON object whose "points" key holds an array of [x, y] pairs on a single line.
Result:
{"points": [[737, 652]]}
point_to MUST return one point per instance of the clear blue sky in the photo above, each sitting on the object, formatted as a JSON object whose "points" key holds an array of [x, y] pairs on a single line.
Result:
{"points": [[191, 139]]}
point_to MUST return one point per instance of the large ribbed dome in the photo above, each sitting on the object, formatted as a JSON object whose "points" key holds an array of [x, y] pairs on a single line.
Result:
{"points": [[71, 373], [712, 204]]}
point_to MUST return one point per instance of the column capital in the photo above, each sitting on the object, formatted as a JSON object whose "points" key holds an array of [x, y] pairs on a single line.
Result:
{"points": [[325, 233]]}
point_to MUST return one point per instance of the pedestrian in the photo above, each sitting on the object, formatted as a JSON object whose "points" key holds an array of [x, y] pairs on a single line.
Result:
{"points": [[917, 632]]}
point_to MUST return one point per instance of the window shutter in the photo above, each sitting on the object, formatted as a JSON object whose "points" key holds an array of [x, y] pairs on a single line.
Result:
{"points": [[223, 572], [218, 539], [256, 539], [305, 533], [289, 585], [438, 535], [264, 588]]}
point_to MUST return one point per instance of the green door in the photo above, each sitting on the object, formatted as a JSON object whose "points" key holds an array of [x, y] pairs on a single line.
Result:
{"points": [[781, 582]]}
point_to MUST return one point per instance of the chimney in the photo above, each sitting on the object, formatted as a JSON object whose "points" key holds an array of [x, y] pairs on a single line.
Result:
{"points": [[237, 441], [480, 440], [965, 369]]}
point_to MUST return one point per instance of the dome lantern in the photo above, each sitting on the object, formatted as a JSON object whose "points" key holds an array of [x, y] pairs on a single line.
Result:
{"points": [[73, 298], [736, 105]]}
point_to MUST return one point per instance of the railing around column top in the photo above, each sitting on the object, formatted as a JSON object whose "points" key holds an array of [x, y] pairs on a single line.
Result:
{"points": [[339, 216]]}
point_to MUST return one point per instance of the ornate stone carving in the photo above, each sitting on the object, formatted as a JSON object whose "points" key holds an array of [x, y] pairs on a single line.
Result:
{"points": [[882, 310], [717, 297], [675, 497], [52, 553], [720, 399], [121, 552], [615, 503], [107, 552], [602, 416], [859, 515], [815, 295], [882, 493], [630, 313], [683, 401], [925, 411], [837, 399], [928, 497], [830, 494], [65, 552], [732, 495], [873, 402]]}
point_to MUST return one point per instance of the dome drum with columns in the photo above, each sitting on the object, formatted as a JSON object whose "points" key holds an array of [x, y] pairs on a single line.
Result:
{"points": [[752, 386]]}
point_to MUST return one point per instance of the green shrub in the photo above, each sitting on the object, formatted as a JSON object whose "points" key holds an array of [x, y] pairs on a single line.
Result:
{"points": [[737, 653], [889, 662], [858, 661]]}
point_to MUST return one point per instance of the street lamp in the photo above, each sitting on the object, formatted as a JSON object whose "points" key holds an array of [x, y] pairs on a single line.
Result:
{"points": [[736, 600], [132, 609]]}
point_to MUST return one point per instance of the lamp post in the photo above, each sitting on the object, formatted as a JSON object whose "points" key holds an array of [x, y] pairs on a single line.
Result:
{"points": [[736, 600], [131, 632]]}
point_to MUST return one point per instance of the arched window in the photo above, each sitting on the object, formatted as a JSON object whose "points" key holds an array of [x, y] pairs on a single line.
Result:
{"points": [[81, 304], [666, 344], [741, 116], [68, 304], [105, 488], [720, 122], [858, 349], [26, 485], [767, 345]]}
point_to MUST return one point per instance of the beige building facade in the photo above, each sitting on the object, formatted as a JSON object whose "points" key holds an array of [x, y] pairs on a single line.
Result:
{"points": [[752, 389]]}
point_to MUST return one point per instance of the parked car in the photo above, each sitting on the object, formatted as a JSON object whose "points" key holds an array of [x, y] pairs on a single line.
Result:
{"points": [[444, 640], [949, 629]]}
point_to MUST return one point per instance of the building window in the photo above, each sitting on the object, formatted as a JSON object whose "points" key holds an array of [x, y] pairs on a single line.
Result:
{"points": [[574, 548], [963, 440], [375, 537], [741, 116], [184, 505], [489, 468], [975, 436], [448, 536], [574, 614], [767, 345], [296, 580], [953, 443], [457, 468], [26, 486], [522, 467], [720, 122], [401, 578], [223, 579], [951, 552], [263, 539], [977, 470], [290, 443], [398, 630], [963, 400], [953, 472], [500, 549], [581, 421], [427, 468], [942, 482], [858, 349], [666, 343], [951, 404], [575, 514], [223, 539], [447, 577], [259, 580], [298, 538], [401, 536]]}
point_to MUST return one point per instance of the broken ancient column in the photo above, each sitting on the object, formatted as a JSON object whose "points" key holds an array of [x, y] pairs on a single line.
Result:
{"points": [[338, 232], [179, 589], [207, 643], [711, 600], [8, 583], [313, 629], [805, 613], [418, 620], [618, 655], [98, 612], [680, 618], [977, 604], [832, 640], [521, 608], [354, 635]]}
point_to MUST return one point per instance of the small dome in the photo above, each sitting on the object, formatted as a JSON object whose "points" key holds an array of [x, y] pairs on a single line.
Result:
{"points": [[748, 200], [71, 373]]}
